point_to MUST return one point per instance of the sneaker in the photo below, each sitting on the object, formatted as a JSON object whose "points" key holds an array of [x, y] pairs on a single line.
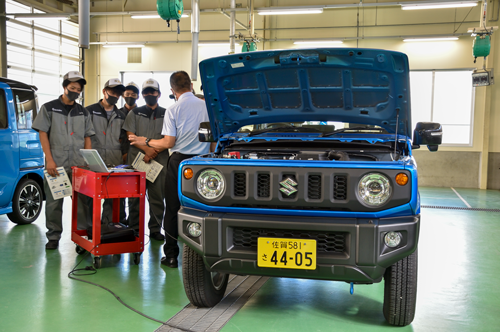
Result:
{"points": [[157, 236], [52, 244]]}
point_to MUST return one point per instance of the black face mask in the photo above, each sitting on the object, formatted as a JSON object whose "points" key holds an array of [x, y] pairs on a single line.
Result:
{"points": [[151, 100], [111, 100], [72, 95], [130, 101]]}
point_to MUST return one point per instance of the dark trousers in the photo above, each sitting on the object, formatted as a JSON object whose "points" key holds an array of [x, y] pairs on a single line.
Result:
{"points": [[170, 248]]}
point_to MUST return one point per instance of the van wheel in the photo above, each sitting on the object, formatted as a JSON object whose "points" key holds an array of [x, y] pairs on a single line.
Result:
{"points": [[27, 202], [203, 288], [400, 291]]}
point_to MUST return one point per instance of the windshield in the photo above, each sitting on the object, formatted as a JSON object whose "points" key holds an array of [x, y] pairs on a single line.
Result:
{"points": [[322, 127]]}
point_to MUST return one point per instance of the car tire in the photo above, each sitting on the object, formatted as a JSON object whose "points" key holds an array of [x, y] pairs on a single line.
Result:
{"points": [[203, 288], [27, 202], [400, 291]]}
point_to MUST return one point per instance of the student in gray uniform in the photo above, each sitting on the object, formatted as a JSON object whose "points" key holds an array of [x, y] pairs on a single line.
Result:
{"points": [[108, 121], [130, 95], [64, 127], [147, 121]]}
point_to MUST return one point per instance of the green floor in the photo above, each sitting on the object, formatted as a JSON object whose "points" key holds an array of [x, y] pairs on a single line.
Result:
{"points": [[458, 290]]}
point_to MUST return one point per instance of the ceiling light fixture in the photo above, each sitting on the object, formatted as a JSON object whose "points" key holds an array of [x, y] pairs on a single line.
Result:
{"points": [[123, 45], [317, 42], [430, 39], [290, 11], [216, 44], [41, 16], [415, 6], [152, 16]]}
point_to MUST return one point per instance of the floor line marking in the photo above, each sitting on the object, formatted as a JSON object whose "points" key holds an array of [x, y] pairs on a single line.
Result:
{"points": [[463, 200]]}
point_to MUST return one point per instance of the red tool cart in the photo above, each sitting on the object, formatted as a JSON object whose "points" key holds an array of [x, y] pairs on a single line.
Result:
{"points": [[107, 185]]}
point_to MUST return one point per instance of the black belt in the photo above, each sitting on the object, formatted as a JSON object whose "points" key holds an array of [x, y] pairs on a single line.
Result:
{"points": [[184, 155]]}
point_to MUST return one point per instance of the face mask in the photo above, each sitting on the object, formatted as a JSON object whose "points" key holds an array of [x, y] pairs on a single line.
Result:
{"points": [[111, 100], [151, 100], [130, 101], [72, 95]]}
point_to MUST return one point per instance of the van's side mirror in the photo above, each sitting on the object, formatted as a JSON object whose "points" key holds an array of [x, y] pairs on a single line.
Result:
{"points": [[205, 133], [428, 133]]}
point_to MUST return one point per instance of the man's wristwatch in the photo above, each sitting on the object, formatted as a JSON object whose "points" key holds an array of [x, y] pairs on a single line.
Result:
{"points": [[147, 141]]}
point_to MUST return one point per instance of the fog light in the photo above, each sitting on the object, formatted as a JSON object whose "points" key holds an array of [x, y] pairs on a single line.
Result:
{"points": [[392, 239], [194, 229]]}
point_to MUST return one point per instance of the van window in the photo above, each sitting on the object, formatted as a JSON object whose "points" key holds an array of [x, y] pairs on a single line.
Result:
{"points": [[26, 107], [3, 111]]}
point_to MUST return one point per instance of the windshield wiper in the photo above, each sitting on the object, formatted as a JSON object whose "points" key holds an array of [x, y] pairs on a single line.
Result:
{"points": [[295, 129], [338, 131]]}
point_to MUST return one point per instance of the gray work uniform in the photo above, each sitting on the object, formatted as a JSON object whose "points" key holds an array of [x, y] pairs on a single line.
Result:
{"points": [[143, 121], [107, 142], [66, 127]]}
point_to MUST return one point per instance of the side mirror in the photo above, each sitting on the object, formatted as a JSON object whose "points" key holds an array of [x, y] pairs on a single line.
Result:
{"points": [[428, 133], [205, 133]]}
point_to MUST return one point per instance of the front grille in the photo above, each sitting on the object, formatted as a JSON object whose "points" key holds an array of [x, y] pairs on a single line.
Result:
{"points": [[314, 187], [240, 184], [340, 187], [330, 243], [263, 185]]}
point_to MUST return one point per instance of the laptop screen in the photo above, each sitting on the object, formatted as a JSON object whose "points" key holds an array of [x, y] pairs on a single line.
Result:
{"points": [[93, 158]]}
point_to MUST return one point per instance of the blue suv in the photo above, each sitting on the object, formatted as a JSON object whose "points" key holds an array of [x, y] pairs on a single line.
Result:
{"points": [[313, 176], [21, 171]]}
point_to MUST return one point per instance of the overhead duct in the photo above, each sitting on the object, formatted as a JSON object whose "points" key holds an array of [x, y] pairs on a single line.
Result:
{"points": [[84, 23], [195, 32]]}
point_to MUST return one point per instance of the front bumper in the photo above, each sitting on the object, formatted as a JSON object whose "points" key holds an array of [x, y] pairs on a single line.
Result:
{"points": [[354, 249]]}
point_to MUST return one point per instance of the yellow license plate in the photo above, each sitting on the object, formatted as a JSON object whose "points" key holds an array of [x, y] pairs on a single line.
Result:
{"points": [[286, 253]]}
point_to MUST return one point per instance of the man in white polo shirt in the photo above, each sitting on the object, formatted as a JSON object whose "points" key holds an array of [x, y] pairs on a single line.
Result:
{"points": [[180, 135]]}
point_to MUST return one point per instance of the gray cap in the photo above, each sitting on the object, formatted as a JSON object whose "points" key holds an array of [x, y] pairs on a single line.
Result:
{"points": [[132, 86], [114, 83], [150, 83], [74, 76]]}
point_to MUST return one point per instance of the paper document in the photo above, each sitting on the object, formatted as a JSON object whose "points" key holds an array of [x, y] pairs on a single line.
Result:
{"points": [[60, 186], [152, 169]]}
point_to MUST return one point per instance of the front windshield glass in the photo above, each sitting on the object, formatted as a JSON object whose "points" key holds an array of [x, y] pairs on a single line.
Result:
{"points": [[323, 127]]}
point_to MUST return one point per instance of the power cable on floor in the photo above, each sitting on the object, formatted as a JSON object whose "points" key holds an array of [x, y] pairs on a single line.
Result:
{"points": [[92, 270]]}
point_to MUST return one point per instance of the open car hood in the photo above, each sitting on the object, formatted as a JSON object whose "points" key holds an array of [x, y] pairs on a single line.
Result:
{"points": [[365, 86]]}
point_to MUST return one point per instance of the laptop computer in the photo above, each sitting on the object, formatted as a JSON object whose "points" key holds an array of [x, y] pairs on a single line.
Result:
{"points": [[96, 164]]}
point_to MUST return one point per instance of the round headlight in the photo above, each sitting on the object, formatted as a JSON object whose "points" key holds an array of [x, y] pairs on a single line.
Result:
{"points": [[374, 190], [210, 184]]}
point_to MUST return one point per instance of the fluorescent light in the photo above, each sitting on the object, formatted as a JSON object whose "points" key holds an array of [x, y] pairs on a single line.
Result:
{"points": [[145, 16], [217, 44], [42, 16], [438, 5], [152, 16], [317, 42], [291, 11], [123, 45], [430, 39]]}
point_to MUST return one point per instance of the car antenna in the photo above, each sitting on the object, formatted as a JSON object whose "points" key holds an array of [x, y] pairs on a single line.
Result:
{"points": [[396, 141]]}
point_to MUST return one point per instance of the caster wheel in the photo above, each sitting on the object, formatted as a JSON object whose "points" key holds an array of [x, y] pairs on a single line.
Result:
{"points": [[97, 262], [79, 250], [137, 258]]}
